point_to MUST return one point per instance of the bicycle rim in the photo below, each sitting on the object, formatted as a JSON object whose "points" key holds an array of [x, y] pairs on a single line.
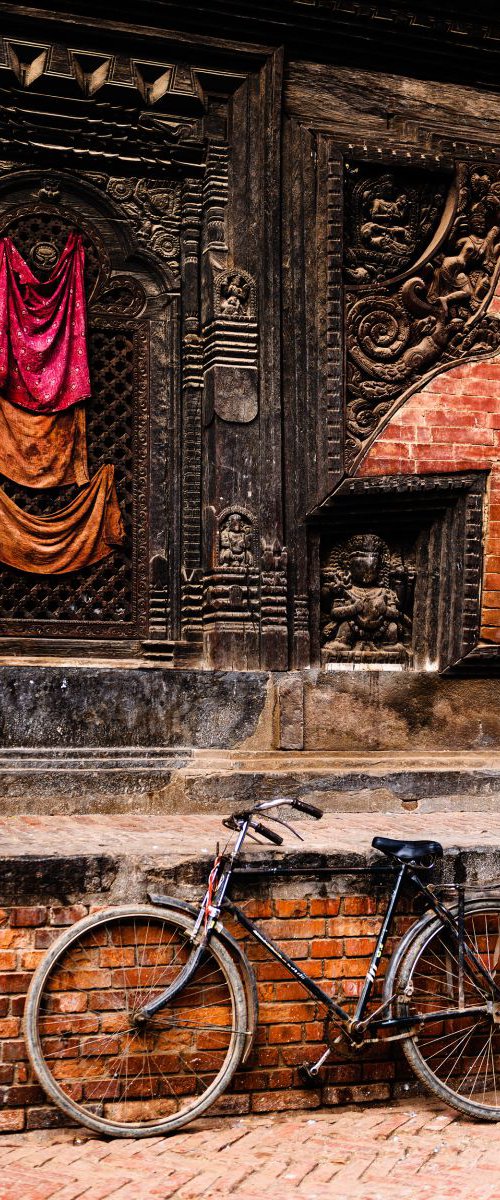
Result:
{"points": [[458, 1058], [97, 1065]]}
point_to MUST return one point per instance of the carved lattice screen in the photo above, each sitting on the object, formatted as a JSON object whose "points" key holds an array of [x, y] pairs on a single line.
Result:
{"points": [[101, 600]]}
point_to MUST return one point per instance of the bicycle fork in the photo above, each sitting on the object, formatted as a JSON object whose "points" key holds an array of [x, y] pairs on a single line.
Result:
{"points": [[148, 1010]]}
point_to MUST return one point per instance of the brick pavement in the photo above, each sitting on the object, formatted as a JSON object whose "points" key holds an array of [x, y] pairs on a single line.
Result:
{"points": [[392, 1152]]}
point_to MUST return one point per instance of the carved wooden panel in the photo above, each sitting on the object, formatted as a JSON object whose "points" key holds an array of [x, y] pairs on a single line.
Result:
{"points": [[421, 263]]}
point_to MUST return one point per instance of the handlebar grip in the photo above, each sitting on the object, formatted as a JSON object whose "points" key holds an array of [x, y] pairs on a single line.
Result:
{"points": [[267, 833], [310, 809]]}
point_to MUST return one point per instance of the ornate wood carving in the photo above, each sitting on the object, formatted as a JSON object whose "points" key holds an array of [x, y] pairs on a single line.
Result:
{"points": [[153, 208], [334, 331], [192, 393], [231, 349], [390, 219], [420, 272], [416, 546], [273, 595], [231, 600]]}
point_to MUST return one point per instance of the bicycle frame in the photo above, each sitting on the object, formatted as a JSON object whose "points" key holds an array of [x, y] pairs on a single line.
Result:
{"points": [[209, 915]]}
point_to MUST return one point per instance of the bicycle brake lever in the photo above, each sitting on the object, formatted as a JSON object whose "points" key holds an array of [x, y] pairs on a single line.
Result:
{"points": [[280, 821]]}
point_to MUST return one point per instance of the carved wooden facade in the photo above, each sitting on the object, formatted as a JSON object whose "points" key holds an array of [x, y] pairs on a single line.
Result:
{"points": [[280, 257]]}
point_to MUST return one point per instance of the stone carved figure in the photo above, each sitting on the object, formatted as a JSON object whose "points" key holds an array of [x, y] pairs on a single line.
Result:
{"points": [[236, 541], [362, 612]]}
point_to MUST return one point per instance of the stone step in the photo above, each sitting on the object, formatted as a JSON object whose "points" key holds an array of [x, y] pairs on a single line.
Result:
{"points": [[124, 855], [156, 779]]}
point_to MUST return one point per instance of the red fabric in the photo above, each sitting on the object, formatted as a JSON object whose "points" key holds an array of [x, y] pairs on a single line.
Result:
{"points": [[43, 347]]}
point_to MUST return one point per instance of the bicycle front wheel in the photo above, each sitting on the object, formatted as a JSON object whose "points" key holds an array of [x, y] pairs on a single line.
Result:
{"points": [[115, 1076], [458, 1057]]}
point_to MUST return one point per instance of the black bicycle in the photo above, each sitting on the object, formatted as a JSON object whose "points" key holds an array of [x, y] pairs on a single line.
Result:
{"points": [[138, 1016]]}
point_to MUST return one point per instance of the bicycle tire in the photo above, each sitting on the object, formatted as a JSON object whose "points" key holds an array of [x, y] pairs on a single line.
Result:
{"points": [[465, 1051], [91, 1060]]}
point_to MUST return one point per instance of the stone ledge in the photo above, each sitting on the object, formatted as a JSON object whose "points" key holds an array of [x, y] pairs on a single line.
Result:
{"points": [[184, 780], [120, 857]]}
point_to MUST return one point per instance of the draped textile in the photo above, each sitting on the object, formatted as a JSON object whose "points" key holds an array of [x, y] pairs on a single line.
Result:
{"points": [[43, 450], [43, 347], [83, 532]]}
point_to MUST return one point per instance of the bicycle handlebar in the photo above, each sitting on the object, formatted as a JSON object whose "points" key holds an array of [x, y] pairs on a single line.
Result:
{"points": [[267, 833], [310, 809]]}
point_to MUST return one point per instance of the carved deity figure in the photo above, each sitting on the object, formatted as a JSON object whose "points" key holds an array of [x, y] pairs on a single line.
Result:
{"points": [[386, 228], [364, 611], [236, 541], [234, 297]]}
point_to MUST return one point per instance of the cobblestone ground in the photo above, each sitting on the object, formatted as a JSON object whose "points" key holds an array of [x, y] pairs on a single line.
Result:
{"points": [[394, 1152]]}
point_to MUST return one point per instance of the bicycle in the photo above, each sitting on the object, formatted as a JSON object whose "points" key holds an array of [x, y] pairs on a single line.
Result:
{"points": [[139, 1016]]}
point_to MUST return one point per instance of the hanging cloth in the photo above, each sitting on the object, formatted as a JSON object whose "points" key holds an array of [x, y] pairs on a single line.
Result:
{"points": [[43, 450], [83, 532], [43, 335]]}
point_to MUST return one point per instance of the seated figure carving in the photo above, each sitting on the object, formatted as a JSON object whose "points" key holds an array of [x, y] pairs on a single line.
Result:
{"points": [[361, 611]]}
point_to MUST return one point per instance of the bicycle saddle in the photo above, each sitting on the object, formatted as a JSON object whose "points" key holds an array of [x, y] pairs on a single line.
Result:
{"points": [[408, 852]]}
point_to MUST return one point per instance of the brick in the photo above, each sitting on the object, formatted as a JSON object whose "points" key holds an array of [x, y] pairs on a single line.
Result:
{"points": [[289, 991], [324, 906], [280, 1013], [279, 1034], [258, 909], [67, 915], [9, 1027], [290, 908], [19, 1096], [21, 917], [14, 981], [359, 946], [8, 960], [356, 906], [326, 948], [11, 1120], [350, 927], [285, 1101], [290, 928], [15, 1051]]}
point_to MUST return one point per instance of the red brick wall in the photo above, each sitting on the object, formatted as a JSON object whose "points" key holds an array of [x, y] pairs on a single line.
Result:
{"points": [[331, 938], [453, 424]]}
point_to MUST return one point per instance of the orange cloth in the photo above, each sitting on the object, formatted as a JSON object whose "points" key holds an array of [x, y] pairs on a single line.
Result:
{"points": [[81, 533], [43, 451]]}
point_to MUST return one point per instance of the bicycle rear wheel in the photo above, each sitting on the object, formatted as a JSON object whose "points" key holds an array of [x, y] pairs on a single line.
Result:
{"points": [[457, 1058], [101, 1069]]}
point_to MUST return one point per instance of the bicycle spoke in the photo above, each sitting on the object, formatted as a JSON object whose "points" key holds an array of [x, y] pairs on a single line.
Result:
{"points": [[112, 1061], [459, 1054]]}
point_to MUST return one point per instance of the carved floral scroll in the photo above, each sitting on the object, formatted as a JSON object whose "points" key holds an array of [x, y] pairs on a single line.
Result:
{"points": [[421, 265]]}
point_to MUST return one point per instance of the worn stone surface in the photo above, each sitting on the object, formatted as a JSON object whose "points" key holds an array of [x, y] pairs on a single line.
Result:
{"points": [[156, 780], [399, 710], [97, 739], [74, 706], [63, 858]]}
